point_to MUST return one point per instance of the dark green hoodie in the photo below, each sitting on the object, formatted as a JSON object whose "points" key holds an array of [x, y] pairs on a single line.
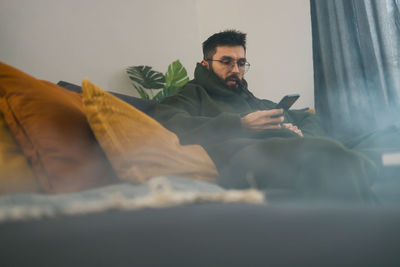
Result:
{"points": [[205, 111]]}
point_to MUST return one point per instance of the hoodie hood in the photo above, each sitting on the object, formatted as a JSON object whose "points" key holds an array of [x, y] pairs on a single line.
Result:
{"points": [[213, 84]]}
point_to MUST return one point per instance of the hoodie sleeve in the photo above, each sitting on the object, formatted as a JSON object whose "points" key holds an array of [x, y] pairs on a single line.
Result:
{"points": [[182, 114], [308, 123]]}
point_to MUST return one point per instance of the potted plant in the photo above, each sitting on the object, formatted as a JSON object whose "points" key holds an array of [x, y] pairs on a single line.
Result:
{"points": [[145, 80]]}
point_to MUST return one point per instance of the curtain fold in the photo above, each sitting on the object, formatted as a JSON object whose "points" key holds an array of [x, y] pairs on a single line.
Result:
{"points": [[356, 50]]}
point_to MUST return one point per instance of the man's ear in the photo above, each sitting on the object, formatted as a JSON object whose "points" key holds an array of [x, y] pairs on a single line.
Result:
{"points": [[205, 63]]}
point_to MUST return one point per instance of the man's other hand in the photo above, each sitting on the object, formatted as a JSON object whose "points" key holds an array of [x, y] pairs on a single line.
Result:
{"points": [[263, 120], [293, 128]]}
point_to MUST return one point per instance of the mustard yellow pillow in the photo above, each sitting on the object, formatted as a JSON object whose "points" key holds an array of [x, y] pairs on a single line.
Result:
{"points": [[137, 146], [50, 126], [16, 175]]}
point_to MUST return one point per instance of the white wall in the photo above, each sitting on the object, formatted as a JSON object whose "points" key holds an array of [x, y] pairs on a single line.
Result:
{"points": [[72, 39]]}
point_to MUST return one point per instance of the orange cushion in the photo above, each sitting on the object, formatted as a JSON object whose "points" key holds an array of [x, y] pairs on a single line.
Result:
{"points": [[49, 124], [137, 146], [16, 175]]}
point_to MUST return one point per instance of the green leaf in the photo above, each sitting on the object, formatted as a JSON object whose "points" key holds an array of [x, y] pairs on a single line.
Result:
{"points": [[145, 77], [142, 93], [159, 96], [168, 91], [176, 75]]}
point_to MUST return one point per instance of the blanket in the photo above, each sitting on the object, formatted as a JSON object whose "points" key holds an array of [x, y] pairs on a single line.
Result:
{"points": [[159, 192]]}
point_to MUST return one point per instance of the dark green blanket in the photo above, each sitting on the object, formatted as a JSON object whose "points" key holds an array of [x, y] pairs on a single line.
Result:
{"points": [[205, 112]]}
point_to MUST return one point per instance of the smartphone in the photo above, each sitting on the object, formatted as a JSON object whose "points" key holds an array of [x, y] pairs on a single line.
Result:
{"points": [[287, 101]]}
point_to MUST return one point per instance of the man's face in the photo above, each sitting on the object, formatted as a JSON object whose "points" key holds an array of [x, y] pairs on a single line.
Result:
{"points": [[230, 74]]}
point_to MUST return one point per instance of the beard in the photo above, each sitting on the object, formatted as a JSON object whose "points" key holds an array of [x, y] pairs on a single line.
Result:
{"points": [[232, 79], [232, 82]]}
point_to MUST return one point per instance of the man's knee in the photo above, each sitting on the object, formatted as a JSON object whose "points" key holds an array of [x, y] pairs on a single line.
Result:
{"points": [[313, 166]]}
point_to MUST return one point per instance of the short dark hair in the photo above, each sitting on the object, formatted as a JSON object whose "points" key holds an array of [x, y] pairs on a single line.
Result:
{"points": [[224, 38]]}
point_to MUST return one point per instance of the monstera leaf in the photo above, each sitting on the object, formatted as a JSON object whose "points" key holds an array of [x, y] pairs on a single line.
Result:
{"points": [[176, 75], [167, 91], [159, 96], [143, 77]]}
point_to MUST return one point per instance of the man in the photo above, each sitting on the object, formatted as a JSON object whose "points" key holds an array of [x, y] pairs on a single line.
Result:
{"points": [[254, 144]]}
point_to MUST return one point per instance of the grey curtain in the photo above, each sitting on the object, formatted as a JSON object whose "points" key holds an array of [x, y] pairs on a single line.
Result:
{"points": [[356, 49]]}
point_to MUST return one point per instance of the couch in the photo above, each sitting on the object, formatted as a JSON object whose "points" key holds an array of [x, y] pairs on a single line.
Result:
{"points": [[80, 195]]}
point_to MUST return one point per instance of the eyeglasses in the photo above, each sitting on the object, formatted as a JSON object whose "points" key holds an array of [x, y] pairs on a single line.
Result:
{"points": [[242, 64]]}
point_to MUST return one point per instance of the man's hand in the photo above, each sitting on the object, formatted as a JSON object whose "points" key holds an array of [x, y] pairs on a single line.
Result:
{"points": [[293, 128], [262, 120]]}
